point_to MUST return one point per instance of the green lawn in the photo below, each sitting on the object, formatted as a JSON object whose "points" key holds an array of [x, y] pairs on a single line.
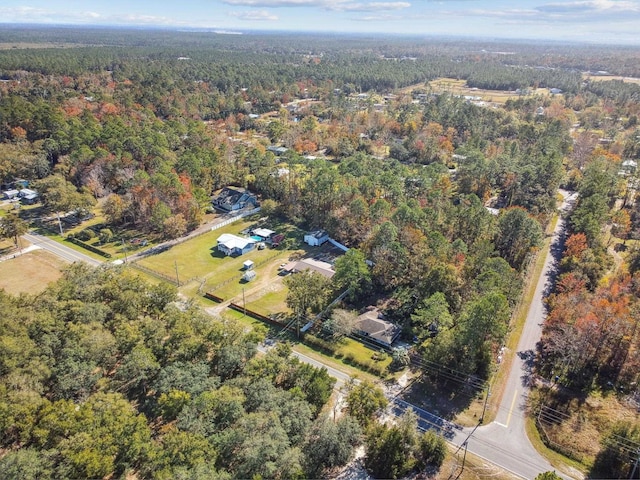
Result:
{"points": [[198, 259], [273, 302]]}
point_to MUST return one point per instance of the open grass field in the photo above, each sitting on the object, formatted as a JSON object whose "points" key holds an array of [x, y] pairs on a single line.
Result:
{"points": [[604, 78], [459, 87], [30, 273], [199, 260]]}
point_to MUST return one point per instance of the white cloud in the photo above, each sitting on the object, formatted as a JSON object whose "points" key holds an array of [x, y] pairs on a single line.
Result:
{"points": [[40, 15], [594, 6], [334, 5], [255, 15], [274, 3], [378, 18], [369, 7], [23, 14]]}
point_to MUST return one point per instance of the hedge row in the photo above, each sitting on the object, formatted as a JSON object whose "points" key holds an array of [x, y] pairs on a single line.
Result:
{"points": [[329, 348], [91, 248]]}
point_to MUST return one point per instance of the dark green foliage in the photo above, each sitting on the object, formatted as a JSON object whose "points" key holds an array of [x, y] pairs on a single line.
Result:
{"points": [[330, 444], [97, 359], [548, 476], [27, 464], [394, 451], [518, 235], [364, 401]]}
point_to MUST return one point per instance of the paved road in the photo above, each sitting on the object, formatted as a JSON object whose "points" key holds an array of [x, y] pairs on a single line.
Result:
{"points": [[505, 442], [68, 254]]}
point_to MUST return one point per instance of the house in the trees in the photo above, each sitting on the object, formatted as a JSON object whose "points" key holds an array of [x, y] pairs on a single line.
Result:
{"points": [[317, 238], [277, 150], [28, 196], [10, 194], [628, 167], [233, 245], [231, 199], [372, 326], [323, 268]]}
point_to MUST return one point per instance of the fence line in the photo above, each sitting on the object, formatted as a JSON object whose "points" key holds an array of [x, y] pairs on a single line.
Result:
{"points": [[153, 273], [233, 219], [239, 276]]}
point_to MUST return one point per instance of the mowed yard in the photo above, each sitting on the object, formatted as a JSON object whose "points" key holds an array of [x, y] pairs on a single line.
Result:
{"points": [[30, 273], [197, 261]]}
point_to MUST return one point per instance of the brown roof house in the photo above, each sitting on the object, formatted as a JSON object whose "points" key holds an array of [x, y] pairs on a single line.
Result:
{"points": [[323, 268], [372, 326]]}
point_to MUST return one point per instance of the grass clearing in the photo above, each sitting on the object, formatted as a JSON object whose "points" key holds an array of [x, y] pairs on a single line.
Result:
{"points": [[605, 78], [30, 272], [198, 257], [455, 86], [334, 362]]}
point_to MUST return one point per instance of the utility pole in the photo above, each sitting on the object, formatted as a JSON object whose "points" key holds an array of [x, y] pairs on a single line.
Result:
{"points": [[464, 458], [486, 399], [124, 249], [175, 263]]}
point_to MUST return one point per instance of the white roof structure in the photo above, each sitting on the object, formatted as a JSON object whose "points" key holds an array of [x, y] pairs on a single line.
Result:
{"points": [[262, 232], [232, 241]]}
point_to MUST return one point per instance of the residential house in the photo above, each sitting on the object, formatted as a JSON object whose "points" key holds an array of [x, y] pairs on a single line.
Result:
{"points": [[323, 268], [28, 196], [372, 326], [628, 167], [233, 245], [317, 238], [232, 199], [9, 194], [277, 150]]}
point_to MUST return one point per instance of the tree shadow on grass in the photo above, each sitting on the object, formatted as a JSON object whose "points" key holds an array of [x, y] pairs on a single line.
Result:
{"points": [[440, 396]]}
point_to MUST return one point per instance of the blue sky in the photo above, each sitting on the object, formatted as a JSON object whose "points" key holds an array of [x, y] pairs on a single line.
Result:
{"points": [[601, 21]]}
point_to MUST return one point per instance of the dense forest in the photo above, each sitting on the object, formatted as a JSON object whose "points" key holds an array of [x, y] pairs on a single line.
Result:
{"points": [[148, 126]]}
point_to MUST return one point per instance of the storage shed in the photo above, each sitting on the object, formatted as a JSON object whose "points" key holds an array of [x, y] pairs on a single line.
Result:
{"points": [[249, 275], [248, 265]]}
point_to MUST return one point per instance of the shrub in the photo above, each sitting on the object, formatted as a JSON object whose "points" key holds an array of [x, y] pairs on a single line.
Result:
{"points": [[86, 235]]}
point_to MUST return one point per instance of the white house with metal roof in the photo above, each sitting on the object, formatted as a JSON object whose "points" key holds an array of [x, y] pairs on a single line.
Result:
{"points": [[230, 244]]}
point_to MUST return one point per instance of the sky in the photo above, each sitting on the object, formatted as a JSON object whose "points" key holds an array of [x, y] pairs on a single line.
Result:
{"points": [[595, 21]]}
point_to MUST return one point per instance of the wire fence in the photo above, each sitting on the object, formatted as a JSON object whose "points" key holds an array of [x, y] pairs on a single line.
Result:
{"points": [[156, 274]]}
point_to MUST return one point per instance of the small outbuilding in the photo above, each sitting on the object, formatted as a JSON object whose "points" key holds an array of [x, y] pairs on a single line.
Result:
{"points": [[264, 233], [249, 275], [317, 238], [248, 265]]}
